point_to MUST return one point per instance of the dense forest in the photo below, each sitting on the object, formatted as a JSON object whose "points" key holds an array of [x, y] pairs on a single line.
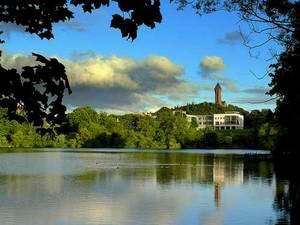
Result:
{"points": [[84, 127]]}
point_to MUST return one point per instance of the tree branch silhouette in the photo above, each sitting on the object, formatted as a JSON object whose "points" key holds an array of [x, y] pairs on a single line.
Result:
{"points": [[39, 90]]}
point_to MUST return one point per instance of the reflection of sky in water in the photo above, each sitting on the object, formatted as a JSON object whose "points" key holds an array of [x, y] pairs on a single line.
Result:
{"points": [[133, 189]]}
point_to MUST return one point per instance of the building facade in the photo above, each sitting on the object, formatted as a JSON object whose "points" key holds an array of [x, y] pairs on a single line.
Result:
{"points": [[228, 121], [225, 121]]}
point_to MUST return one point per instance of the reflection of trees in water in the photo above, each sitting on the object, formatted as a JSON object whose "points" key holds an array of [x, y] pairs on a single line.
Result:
{"points": [[287, 198], [165, 169], [218, 170], [208, 169], [168, 168], [258, 168], [132, 172]]}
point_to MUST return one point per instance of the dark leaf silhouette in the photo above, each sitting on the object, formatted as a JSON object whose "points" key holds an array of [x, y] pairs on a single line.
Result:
{"points": [[36, 93], [38, 17]]}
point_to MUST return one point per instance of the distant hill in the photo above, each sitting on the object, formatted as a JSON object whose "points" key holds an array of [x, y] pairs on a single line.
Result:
{"points": [[206, 108]]}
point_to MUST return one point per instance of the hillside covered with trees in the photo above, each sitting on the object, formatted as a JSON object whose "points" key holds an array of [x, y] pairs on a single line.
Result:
{"points": [[253, 119], [208, 108]]}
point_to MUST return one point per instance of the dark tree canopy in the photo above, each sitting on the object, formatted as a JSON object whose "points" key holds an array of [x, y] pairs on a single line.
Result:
{"points": [[285, 84], [38, 17], [36, 93]]}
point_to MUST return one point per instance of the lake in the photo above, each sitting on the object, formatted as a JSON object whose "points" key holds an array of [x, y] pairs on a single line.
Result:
{"points": [[129, 187]]}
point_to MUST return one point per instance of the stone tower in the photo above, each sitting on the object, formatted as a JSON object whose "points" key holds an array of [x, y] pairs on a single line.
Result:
{"points": [[218, 95]]}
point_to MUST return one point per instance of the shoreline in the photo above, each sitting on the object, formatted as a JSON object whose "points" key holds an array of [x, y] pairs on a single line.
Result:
{"points": [[237, 151]]}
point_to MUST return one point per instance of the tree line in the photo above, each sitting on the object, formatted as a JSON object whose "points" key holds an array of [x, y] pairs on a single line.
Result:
{"points": [[84, 127]]}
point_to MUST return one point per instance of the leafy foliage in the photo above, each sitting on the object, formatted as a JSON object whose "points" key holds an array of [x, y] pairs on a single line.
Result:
{"points": [[285, 84], [38, 17], [87, 128], [37, 90], [207, 108]]}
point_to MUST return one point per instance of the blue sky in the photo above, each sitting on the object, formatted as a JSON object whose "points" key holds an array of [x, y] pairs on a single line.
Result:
{"points": [[180, 48]]}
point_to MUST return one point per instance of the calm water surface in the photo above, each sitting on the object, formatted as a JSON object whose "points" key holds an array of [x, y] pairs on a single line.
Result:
{"points": [[137, 188]]}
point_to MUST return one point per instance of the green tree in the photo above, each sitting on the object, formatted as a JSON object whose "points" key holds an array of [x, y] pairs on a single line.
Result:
{"points": [[194, 123], [182, 130], [25, 136], [285, 84], [267, 135], [166, 120], [82, 117], [210, 139]]}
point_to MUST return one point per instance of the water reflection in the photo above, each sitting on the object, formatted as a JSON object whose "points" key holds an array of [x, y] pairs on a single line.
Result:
{"points": [[137, 188], [287, 198]]}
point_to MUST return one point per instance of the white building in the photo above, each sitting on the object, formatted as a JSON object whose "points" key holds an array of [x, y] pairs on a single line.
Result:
{"points": [[228, 121], [203, 121], [225, 121]]}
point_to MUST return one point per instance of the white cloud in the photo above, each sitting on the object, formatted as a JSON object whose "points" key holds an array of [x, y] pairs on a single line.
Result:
{"points": [[212, 69], [119, 83], [16, 61], [212, 63]]}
